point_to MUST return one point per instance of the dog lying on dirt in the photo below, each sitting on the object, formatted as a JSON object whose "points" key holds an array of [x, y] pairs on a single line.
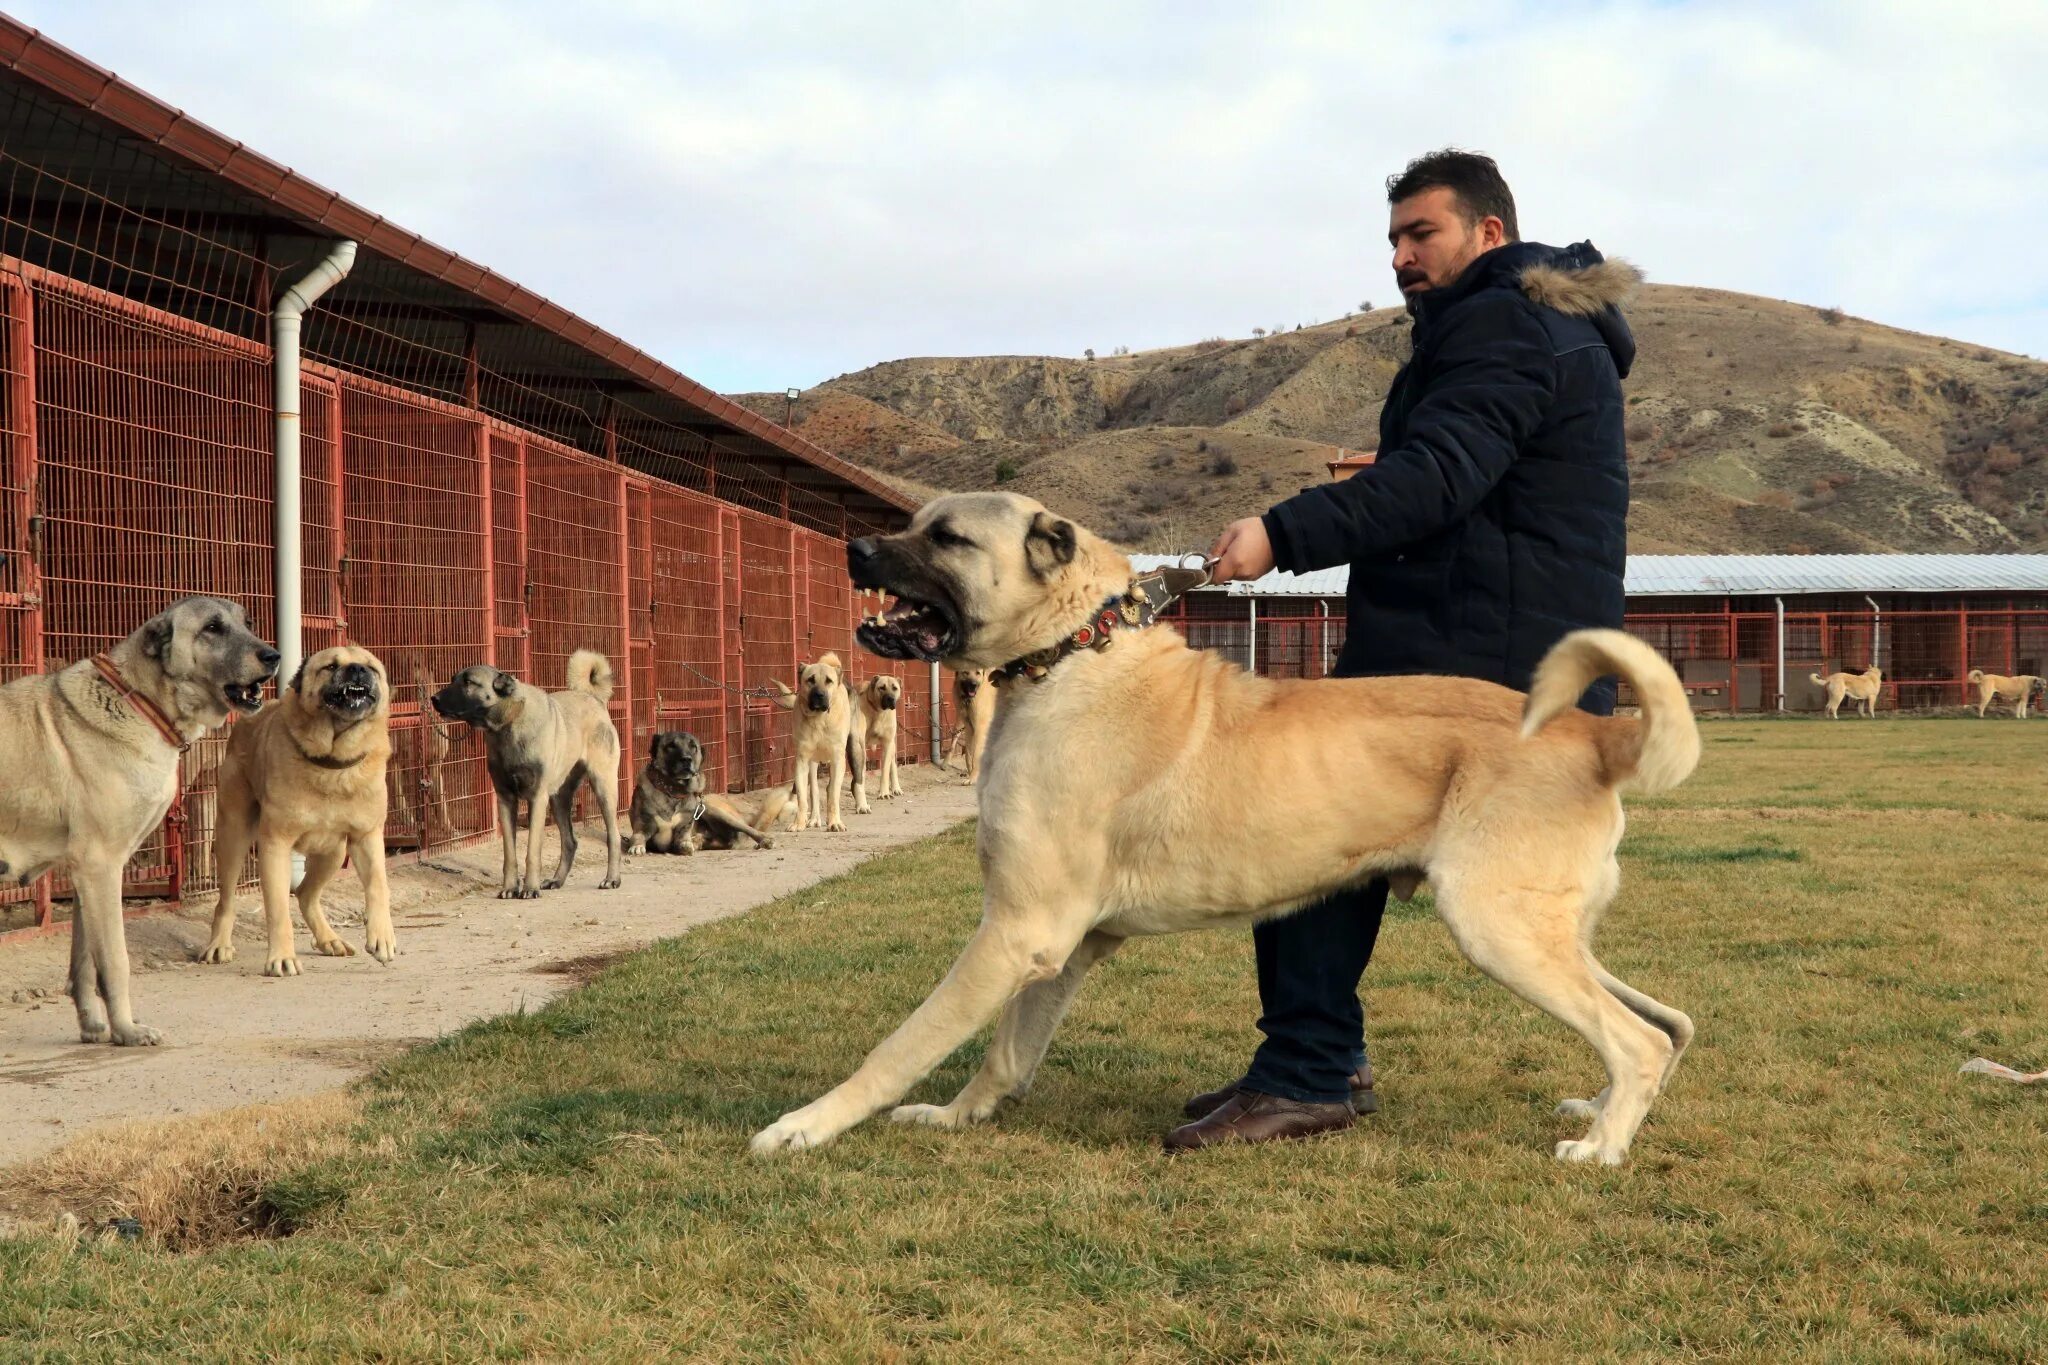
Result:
{"points": [[539, 746], [2017, 689], [823, 737], [1150, 788], [92, 765], [672, 813], [975, 703], [1862, 688], [307, 776]]}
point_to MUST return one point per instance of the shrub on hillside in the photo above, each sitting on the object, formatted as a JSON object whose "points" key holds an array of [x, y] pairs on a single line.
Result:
{"points": [[1223, 465], [1006, 470]]}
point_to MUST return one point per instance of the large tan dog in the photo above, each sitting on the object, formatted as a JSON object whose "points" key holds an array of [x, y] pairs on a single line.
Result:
{"points": [[823, 737], [974, 698], [1996, 687], [1862, 688], [1148, 788], [91, 756], [874, 722], [540, 747], [307, 776]]}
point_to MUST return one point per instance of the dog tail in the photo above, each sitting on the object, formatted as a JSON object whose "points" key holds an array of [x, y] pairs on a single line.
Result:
{"points": [[784, 697], [1818, 679], [1666, 744], [590, 671], [774, 801]]}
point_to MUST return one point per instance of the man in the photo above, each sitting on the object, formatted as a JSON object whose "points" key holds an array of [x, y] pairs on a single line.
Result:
{"points": [[1492, 523]]}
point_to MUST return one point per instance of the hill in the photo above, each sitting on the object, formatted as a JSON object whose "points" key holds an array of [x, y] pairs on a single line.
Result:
{"points": [[1754, 425]]}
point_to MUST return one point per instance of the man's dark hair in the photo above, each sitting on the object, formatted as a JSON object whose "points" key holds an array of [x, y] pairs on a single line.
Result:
{"points": [[1471, 176]]}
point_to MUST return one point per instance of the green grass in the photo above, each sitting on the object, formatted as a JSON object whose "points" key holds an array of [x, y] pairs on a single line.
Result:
{"points": [[1847, 911]]}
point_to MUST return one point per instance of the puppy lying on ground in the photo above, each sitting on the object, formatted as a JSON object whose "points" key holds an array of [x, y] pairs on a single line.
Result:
{"points": [[539, 746], [1862, 688], [672, 813], [2017, 689], [307, 776], [1148, 788]]}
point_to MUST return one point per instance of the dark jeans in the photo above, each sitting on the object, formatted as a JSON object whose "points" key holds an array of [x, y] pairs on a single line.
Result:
{"points": [[1309, 967]]}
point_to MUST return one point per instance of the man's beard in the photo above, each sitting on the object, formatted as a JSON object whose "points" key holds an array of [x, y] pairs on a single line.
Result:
{"points": [[1406, 277]]}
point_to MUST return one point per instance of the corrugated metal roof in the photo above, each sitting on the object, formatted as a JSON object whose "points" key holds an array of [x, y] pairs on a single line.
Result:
{"points": [[1740, 575]]}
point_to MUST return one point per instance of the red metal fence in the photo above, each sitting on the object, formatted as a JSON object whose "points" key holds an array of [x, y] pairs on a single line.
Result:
{"points": [[136, 467]]}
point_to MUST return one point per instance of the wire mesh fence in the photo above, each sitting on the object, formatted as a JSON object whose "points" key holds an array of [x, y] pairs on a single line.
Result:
{"points": [[136, 467]]}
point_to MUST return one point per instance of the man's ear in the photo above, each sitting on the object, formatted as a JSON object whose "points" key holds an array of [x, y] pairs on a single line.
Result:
{"points": [[1049, 544]]}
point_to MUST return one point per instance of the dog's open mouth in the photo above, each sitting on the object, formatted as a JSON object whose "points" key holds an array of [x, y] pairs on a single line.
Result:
{"points": [[245, 697], [910, 629], [350, 698]]}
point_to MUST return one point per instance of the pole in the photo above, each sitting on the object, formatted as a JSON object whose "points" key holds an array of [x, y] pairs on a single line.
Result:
{"points": [[288, 511]]}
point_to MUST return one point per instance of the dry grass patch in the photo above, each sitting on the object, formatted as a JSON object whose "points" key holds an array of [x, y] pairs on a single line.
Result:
{"points": [[190, 1184]]}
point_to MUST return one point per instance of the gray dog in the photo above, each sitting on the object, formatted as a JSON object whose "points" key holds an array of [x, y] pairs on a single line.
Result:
{"points": [[539, 746], [672, 813], [91, 755]]}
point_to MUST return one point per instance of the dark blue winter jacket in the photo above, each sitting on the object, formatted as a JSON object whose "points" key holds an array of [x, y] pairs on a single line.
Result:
{"points": [[1496, 516]]}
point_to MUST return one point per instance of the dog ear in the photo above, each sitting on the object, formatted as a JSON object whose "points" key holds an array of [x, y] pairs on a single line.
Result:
{"points": [[654, 744], [298, 675], [156, 637], [504, 684], [1049, 544]]}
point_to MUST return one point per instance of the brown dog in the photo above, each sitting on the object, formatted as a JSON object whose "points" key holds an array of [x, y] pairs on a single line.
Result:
{"points": [[307, 776], [1862, 688], [874, 721], [1138, 786], [975, 703], [1996, 687]]}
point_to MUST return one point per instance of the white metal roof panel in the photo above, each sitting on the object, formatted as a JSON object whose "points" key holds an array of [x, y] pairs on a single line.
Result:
{"points": [[1739, 575]]}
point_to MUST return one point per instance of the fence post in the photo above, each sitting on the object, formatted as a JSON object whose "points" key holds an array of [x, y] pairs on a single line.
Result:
{"points": [[1962, 681]]}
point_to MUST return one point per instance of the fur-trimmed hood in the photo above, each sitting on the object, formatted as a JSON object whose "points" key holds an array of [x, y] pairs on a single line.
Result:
{"points": [[1575, 280]]}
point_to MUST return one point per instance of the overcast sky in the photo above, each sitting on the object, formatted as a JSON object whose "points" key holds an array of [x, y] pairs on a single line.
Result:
{"points": [[766, 194]]}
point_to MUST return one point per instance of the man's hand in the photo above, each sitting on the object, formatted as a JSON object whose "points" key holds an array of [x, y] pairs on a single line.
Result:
{"points": [[1242, 551]]}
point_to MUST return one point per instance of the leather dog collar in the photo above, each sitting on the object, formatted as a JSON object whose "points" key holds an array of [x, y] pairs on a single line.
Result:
{"points": [[1134, 608], [148, 709]]}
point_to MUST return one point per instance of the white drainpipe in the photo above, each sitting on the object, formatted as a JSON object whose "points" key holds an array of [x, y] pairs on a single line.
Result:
{"points": [[1252, 648], [1781, 651], [1876, 633], [938, 710], [292, 302]]}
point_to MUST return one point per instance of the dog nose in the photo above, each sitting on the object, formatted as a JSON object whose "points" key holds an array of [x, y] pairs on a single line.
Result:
{"points": [[860, 560], [268, 657]]}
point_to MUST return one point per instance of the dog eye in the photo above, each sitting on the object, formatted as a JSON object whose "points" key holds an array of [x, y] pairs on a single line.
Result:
{"points": [[212, 627], [946, 535]]}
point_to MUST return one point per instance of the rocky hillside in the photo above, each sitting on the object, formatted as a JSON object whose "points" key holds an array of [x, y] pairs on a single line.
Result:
{"points": [[1754, 425]]}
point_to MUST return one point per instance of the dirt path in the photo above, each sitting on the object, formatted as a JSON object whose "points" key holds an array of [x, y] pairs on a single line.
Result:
{"points": [[233, 1037]]}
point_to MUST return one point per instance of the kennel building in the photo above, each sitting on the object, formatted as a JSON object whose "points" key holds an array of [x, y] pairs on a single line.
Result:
{"points": [[482, 476]]}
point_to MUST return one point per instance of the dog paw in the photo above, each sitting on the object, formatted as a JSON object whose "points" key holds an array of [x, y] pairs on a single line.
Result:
{"points": [[865, 809], [527, 893], [1577, 1109], [790, 1133], [510, 893], [608, 883], [930, 1116], [334, 947], [281, 966], [767, 842], [1588, 1151], [137, 1035], [837, 826], [217, 953], [383, 947], [95, 1031], [551, 884]]}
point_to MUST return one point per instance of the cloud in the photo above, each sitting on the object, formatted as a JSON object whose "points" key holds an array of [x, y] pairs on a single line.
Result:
{"points": [[767, 195]]}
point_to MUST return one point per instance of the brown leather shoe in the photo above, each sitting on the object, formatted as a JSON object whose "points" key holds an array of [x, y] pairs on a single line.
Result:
{"points": [[1363, 1100], [1248, 1116]]}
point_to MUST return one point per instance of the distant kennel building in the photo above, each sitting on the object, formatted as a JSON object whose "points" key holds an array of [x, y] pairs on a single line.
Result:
{"points": [[484, 476], [1746, 632]]}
